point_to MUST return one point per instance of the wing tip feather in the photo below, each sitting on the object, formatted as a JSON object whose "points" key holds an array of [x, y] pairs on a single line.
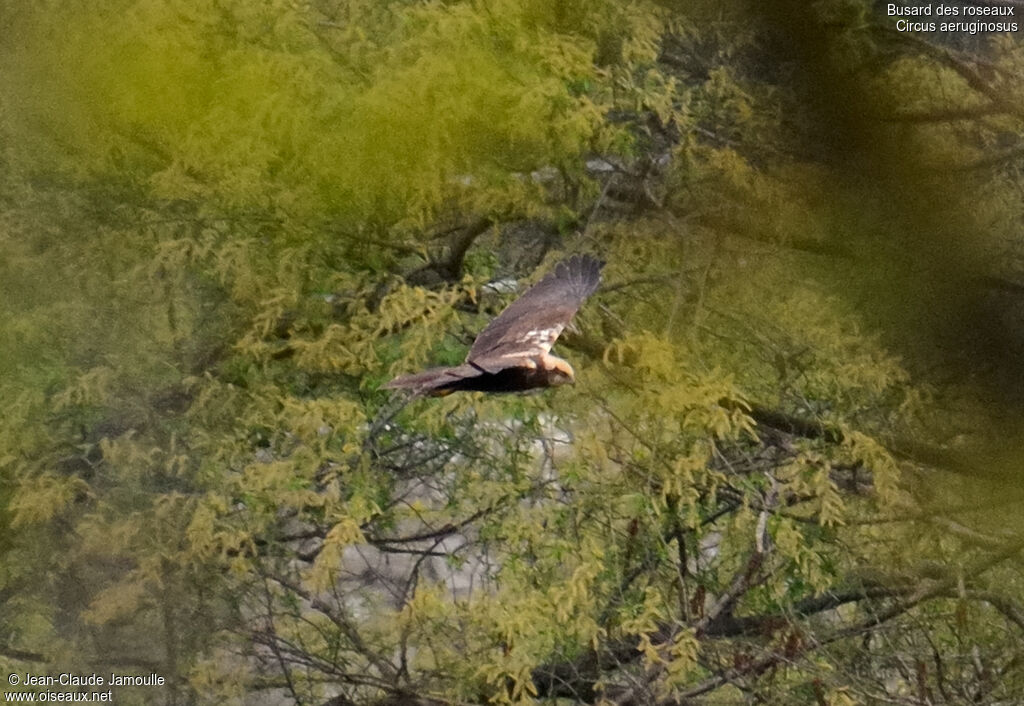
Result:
{"points": [[584, 270]]}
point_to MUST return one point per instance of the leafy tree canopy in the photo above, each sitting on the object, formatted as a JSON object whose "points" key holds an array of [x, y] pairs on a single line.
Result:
{"points": [[788, 472]]}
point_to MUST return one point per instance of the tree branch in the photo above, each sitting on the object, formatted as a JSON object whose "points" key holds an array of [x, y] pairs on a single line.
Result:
{"points": [[449, 266]]}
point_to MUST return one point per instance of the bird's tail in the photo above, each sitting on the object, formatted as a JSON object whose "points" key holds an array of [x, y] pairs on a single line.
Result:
{"points": [[436, 381]]}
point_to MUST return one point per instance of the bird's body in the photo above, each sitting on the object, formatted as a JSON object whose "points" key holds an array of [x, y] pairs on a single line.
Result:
{"points": [[512, 353]]}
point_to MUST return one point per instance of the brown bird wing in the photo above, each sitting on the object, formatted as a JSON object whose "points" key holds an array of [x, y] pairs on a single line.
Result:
{"points": [[530, 325]]}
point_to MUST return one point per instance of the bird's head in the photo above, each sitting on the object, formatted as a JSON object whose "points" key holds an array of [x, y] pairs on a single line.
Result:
{"points": [[559, 372]]}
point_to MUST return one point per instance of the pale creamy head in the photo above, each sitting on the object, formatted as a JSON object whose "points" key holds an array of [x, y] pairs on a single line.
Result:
{"points": [[562, 372]]}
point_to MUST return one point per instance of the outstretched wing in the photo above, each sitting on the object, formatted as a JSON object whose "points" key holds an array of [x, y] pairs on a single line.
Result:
{"points": [[530, 325]]}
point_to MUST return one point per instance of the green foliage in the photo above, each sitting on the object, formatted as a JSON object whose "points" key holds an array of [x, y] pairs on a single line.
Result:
{"points": [[224, 226], [285, 110]]}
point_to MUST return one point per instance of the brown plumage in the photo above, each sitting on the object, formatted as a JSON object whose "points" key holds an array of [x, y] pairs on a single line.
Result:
{"points": [[512, 353]]}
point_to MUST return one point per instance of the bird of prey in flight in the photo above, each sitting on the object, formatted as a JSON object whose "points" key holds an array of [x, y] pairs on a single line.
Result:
{"points": [[512, 353]]}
